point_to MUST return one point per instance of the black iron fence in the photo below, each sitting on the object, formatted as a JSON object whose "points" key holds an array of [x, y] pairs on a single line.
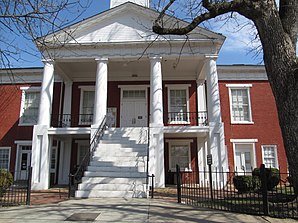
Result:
{"points": [[261, 192], [15, 189]]}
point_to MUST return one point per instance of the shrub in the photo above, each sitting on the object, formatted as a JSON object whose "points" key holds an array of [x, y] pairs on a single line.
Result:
{"points": [[6, 180], [272, 175], [243, 183]]}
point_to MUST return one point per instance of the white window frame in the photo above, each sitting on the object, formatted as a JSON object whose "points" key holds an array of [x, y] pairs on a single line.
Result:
{"points": [[240, 87], [84, 89], [24, 90], [178, 143], [275, 154], [246, 142], [178, 87], [9, 151]]}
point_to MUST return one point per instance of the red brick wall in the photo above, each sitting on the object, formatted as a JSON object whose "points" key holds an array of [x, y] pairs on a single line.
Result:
{"points": [[264, 115], [10, 105]]}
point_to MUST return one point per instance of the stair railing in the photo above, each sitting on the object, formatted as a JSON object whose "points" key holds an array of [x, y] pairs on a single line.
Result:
{"points": [[76, 178]]}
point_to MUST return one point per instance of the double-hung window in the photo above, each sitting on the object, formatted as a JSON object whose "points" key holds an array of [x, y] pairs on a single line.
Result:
{"points": [[240, 105], [178, 104], [87, 105], [29, 105], [4, 157], [269, 153]]}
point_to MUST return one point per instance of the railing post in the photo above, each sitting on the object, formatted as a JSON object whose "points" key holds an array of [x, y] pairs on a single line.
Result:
{"points": [[28, 198], [178, 183], [264, 189], [152, 186]]}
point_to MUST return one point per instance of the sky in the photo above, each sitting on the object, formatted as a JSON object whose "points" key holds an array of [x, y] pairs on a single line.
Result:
{"points": [[236, 49]]}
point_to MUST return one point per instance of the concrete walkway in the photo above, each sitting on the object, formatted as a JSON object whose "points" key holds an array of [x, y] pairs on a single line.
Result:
{"points": [[124, 210]]}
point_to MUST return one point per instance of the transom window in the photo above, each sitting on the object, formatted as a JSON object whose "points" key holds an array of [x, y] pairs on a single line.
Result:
{"points": [[134, 94], [4, 157], [178, 105], [30, 106], [179, 153], [240, 103], [270, 156]]}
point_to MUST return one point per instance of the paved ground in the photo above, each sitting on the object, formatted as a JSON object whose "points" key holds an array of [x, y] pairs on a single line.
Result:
{"points": [[124, 210], [53, 206]]}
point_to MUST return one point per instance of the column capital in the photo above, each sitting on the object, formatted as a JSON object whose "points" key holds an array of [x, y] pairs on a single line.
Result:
{"points": [[211, 56], [101, 59], [155, 58], [48, 61], [200, 82], [68, 83]]}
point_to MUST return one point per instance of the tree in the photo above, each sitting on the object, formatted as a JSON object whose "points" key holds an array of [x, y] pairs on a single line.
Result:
{"points": [[277, 28], [30, 19]]}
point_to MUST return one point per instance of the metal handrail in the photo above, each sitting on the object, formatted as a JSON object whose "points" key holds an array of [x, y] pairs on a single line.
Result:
{"points": [[75, 179]]}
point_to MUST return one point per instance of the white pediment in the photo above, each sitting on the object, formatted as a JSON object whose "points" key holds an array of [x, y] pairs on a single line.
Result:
{"points": [[126, 23]]}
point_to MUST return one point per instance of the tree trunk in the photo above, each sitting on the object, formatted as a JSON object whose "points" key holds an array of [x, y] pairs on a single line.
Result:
{"points": [[282, 70]]}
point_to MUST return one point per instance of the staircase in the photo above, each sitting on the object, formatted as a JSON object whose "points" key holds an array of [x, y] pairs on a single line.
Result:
{"points": [[118, 167]]}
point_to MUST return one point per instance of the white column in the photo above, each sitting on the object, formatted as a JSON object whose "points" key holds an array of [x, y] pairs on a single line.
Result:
{"points": [[156, 149], [213, 99], [67, 102], [46, 94], [101, 91], [156, 105], [201, 100], [64, 161], [216, 143]]}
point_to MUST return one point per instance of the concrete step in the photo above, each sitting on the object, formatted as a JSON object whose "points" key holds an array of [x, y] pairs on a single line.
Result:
{"points": [[122, 149], [117, 169], [114, 174], [111, 153], [112, 180], [115, 159], [120, 163], [112, 187], [111, 194], [102, 146], [122, 141]]}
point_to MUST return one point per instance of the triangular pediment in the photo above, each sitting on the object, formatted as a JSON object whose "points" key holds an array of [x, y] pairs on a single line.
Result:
{"points": [[128, 22]]}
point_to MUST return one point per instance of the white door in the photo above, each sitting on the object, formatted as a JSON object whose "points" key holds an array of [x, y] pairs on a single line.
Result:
{"points": [[133, 108], [244, 161], [24, 162]]}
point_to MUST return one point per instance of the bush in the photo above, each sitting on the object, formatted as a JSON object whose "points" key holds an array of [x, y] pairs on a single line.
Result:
{"points": [[6, 180], [244, 183], [272, 175]]}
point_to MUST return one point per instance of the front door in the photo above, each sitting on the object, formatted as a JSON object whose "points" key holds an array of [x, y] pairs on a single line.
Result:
{"points": [[243, 158], [24, 162], [133, 108]]}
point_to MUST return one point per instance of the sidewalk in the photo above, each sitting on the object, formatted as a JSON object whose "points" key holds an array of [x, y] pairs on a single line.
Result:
{"points": [[124, 210]]}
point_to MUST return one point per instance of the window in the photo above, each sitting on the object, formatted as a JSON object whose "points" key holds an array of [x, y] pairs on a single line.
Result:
{"points": [[240, 103], [87, 105], [178, 104], [83, 149], [179, 153], [270, 156], [4, 157], [29, 105]]}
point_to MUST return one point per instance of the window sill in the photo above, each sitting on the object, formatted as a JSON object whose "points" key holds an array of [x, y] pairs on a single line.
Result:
{"points": [[27, 124], [181, 170], [242, 123]]}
